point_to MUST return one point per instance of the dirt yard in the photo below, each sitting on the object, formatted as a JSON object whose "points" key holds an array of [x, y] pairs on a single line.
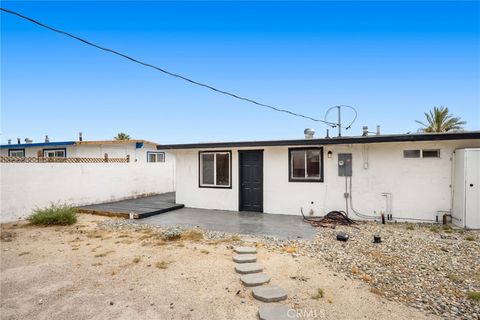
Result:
{"points": [[85, 272]]}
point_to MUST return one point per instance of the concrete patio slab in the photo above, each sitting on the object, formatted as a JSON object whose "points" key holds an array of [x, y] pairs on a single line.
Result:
{"points": [[250, 223], [140, 207]]}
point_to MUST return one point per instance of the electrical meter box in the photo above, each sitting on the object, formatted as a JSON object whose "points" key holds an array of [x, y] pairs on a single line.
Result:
{"points": [[345, 164]]}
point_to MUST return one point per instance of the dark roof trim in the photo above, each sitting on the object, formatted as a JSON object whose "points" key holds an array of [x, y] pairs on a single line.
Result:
{"points": [[341, 140], [40, 144]]}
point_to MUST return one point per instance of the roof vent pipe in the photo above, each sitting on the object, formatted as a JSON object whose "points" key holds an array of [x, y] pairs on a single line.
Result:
{"points": [[80, 136], [9, 141], [378, 130], [365, 131], [18, 141], [328, 135], [47, 140], [28, 140], [309, 133]]}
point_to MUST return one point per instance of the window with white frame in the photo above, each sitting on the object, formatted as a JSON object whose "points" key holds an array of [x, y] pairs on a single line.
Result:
{"points": [[54, 153], [425, 153], [16, 153], [155, 156], [306, 164], [215, 169]]}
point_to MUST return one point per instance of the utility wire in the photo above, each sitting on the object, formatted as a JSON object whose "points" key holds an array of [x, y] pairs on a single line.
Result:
{"points": [[166, 71]]}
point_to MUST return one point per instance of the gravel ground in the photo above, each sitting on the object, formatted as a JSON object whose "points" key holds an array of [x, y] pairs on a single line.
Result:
{"points": [[424, 269], [102, 268], [429, 267]]}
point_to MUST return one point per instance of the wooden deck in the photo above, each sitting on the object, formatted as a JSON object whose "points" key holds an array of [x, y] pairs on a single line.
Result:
{"points": [[140, 207]]}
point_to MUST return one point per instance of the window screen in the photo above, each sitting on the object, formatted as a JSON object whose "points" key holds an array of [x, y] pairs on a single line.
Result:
{"points": [[298, 164], [208, 169]]}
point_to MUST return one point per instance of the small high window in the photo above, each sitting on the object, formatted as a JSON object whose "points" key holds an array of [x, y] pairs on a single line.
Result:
{"points": [[306, 164], [215, 169], [431, 153], [411, 153], [425, 153], [16, 153], [54, 153], [155, 156]]}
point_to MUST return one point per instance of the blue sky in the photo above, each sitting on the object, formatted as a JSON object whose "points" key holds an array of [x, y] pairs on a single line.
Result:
{"points": [[390, 60]]}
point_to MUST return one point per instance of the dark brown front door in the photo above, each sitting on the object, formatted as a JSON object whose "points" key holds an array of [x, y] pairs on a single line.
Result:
{"points": [[251, 180]]}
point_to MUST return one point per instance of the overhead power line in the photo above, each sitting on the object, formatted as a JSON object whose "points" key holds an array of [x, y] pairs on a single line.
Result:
{"points": [[166, 71]]}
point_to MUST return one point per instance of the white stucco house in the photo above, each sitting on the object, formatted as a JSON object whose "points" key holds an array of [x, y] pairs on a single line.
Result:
{"points": [[407, 177], [137, 150]]}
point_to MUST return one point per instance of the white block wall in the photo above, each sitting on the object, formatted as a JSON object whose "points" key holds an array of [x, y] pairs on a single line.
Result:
{"points": [[419, 187], [25, 186]]}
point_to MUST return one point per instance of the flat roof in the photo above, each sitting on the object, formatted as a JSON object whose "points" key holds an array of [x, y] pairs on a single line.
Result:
{"points": [[329, 141], [67, 143], [114, 142], [39, 144]]}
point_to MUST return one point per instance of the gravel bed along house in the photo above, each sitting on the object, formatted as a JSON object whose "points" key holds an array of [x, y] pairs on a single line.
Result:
{"points": [[428, 267], [432, 271]]}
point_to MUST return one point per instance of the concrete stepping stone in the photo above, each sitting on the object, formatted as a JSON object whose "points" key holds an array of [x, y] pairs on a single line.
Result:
{"points": [[269, 293], [246, 268], [245, 258], [254, 279], [276, 311], [245, 250]]}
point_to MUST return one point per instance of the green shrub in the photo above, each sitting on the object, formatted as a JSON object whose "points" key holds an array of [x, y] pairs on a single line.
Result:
{"points": [[410, 227], [455, 278], [447, 229], [162, 264], [56, 214], [470, 237], [319, 294], [474, 295], [172, 234]]}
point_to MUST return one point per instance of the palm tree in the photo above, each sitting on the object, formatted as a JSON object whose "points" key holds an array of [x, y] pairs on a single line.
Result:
{"points": [[122, 136], [439, 120]]}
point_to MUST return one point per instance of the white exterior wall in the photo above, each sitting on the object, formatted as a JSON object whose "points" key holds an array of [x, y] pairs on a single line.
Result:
{"points": [[99, 150], [33, 151], [25, 186], [419, 187]]}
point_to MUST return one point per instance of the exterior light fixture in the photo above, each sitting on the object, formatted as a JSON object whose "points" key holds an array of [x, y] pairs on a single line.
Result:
{"points": [[329, 154]]}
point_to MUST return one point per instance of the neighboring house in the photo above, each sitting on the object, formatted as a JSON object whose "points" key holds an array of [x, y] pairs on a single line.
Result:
{"points": [[138, 150], [406, 177]]}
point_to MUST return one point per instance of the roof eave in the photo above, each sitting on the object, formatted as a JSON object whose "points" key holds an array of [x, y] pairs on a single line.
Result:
{"points": [[329, 141]]}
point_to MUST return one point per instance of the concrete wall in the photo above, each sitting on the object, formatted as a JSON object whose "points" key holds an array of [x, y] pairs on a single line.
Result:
{"points": [[419, 187], [99, 150], [25, 186]]}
